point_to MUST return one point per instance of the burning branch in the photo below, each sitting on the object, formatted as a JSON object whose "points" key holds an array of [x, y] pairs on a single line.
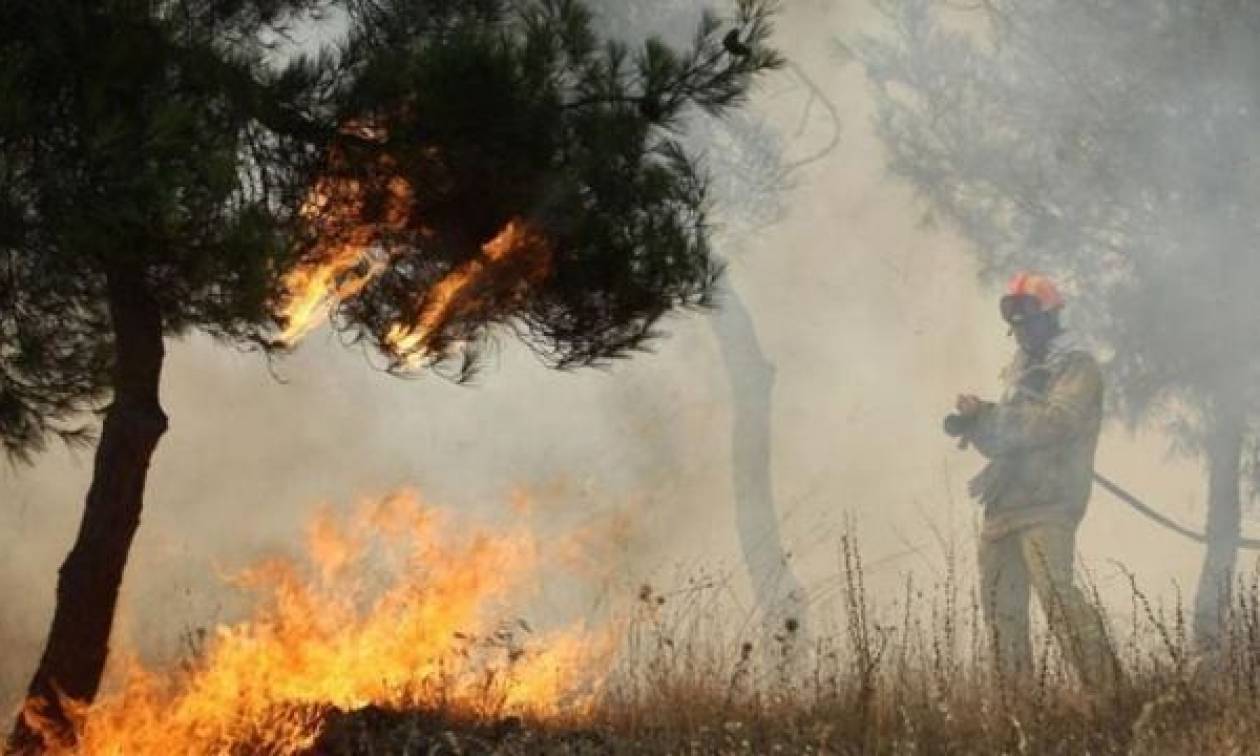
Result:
{"points": [[351, 249], [485, 288]]}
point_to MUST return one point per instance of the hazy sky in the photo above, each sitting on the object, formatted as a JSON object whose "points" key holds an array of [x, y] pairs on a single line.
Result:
{"points": [[874, 321]]}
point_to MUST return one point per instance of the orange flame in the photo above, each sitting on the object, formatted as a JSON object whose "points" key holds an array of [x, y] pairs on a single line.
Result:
{"points": [[349, 255], [516, 246], [323, 637], [342, 263]]}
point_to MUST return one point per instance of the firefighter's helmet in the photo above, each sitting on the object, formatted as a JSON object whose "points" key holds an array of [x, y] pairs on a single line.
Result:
{"points": [[1029, 294]]}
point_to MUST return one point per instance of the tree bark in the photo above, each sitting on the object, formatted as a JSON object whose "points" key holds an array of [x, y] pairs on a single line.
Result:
{"points": [[1223, 528], [778, 593], [87, 589]]}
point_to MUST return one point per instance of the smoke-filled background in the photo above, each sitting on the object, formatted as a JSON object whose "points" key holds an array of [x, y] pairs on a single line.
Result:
{"points": [[873, 322]]}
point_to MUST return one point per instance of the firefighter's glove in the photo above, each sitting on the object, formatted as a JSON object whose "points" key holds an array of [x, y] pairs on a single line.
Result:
{"points": [[961, 423], [957, 426], [969, 405]]}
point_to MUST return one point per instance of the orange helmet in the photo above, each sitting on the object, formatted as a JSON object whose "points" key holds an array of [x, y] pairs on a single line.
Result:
{"points": [[1029, 294]]}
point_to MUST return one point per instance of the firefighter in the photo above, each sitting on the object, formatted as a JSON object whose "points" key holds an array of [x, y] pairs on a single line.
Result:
{"points": [[1039, 441]]}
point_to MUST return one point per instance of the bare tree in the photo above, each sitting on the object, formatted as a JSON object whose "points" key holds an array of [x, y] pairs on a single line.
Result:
{"points": [[751, 164]]}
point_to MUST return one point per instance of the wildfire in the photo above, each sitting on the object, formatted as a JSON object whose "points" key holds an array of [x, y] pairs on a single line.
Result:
{"points": [[350, 253], [346, 259], [517, 252], [429, 634]]}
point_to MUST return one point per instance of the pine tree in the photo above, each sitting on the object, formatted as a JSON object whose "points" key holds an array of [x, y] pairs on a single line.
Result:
{"points": [[451, 171]]}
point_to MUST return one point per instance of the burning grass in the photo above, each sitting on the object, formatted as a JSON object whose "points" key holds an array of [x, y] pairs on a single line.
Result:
{"points": [[400, 606], [339, 660]]}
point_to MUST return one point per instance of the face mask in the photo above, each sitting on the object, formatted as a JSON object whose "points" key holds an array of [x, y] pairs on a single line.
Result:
{"points": [[1019, 308], [1032, 328]]}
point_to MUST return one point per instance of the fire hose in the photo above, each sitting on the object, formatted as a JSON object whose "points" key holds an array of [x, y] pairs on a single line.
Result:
{"points": [[954, 426], [1133, 501]]}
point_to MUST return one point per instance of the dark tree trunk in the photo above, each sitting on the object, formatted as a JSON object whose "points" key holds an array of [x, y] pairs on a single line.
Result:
{"points": [[777, 591], [1224, 522], [87, 588]]}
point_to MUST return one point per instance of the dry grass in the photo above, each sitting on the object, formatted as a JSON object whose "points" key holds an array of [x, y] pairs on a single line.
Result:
{"points": [[924, 683]]}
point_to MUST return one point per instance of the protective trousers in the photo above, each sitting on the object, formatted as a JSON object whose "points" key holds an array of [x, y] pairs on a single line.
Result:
{"points": [[1040, 557]]}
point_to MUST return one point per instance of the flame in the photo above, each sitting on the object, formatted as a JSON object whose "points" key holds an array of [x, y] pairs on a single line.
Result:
{"points": [[453, 294], [324, 636], [347, 256]]}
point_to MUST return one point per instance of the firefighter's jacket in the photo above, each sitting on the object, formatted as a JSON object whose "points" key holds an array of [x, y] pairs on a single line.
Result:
{"points": [[1040, 441]]}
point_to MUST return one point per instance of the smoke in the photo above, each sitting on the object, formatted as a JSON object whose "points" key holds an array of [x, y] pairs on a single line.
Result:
{"points": [[874, 321]]}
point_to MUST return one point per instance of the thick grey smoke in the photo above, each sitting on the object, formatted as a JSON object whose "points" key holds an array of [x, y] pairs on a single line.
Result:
{"points": [[872, 320]]}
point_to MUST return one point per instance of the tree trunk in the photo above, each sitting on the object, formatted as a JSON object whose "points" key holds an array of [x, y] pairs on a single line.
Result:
{"points": [[87, 588], [1224, 523], [777, 591]]}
